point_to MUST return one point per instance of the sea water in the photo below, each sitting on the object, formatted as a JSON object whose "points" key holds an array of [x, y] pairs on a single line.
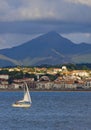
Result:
{"points": [[49, 111]]}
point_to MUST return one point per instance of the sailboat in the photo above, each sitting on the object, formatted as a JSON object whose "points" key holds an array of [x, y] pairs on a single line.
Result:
{"points": [[26, 101]]}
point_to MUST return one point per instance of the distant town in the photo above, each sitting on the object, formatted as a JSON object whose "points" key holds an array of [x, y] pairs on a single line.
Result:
{"points": [[45, 78]]}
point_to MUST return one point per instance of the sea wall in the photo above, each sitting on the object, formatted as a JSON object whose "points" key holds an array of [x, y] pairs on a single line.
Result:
{"points": [[47, 85], [53, 85]]}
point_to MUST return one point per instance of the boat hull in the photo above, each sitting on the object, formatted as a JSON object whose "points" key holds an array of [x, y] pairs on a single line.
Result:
{"points": [[21, 105]]}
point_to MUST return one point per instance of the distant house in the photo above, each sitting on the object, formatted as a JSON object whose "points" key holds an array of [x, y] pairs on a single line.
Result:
{"points": [[81, 73], [18, 83], [57, 70], [88, 83], [4, 81], [4, 76]]}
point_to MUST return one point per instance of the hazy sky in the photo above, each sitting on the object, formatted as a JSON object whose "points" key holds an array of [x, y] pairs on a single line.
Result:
{"points": [[22, 20]]}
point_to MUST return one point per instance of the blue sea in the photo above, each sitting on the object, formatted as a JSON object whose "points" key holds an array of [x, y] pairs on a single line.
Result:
{"points": [[49, 111]]}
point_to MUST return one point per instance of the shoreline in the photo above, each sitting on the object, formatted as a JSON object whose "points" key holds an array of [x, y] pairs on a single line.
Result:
{"points": [[34, 90]]}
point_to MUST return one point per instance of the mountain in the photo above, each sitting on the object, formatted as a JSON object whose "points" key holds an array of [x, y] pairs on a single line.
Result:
{"points": [[50, 48]]}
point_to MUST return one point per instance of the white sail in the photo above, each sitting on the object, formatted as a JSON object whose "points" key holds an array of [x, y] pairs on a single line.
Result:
{"points": [[27, 97]]}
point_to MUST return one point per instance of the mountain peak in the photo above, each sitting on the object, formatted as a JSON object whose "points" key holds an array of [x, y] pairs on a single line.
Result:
{"points": [[50, 48]]}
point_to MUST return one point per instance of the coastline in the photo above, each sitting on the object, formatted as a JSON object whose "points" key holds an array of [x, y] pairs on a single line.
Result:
{"points": [[45, 90]]}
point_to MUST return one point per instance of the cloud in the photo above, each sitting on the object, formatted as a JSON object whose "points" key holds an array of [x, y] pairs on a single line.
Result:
{"points": [[43, 26], [43, 9], [79, 37], [33, 17], [28, 9], [14, 15], [84, 2]]}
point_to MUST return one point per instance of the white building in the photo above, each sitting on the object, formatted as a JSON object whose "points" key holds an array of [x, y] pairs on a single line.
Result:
{"points": [[4, 76]]}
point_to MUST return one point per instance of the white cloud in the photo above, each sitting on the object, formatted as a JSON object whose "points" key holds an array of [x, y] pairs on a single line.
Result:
{"points": [[45, 9], [79, 37], [85, 2], [27, 10]]}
